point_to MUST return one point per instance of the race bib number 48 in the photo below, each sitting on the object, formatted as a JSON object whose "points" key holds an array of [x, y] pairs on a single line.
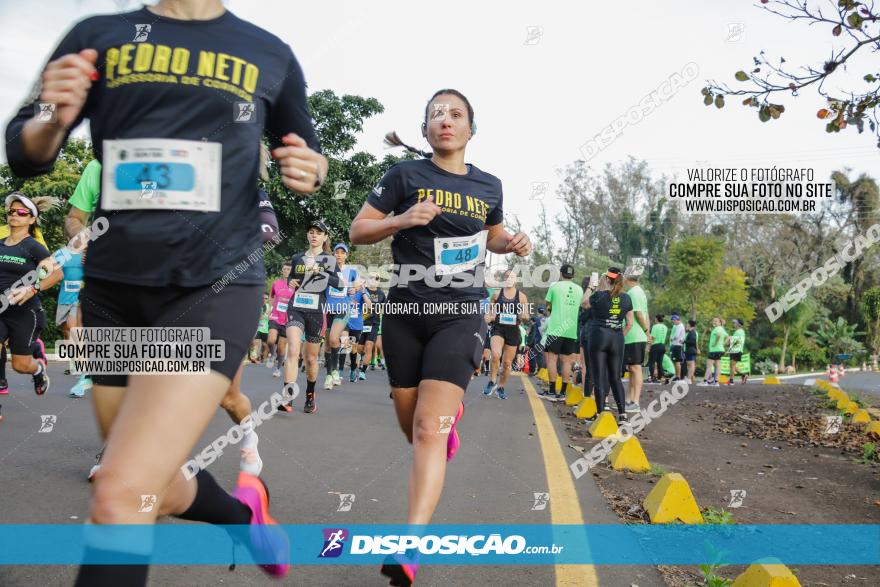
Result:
{"points": [[458, 254], [161, 174]]}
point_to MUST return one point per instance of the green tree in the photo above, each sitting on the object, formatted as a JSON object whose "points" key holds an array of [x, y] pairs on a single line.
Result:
{"points": [[694, 262], [837, 337], [855, 26], [352, 175], [863, 197], [871, 314], [59, 183], [794, 324]]}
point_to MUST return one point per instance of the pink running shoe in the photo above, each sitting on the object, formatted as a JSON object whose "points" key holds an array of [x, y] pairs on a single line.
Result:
{"points": [[41, 348], [401, 569], [454, 442], [266, 542]]}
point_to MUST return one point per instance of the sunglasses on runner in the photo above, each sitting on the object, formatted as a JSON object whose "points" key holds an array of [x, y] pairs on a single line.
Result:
{"points": [[18, 212]]}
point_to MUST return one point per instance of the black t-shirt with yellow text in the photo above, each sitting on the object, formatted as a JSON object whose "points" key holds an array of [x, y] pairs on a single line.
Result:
{"points": [[222, 81], [609, 312], [469, 202]]}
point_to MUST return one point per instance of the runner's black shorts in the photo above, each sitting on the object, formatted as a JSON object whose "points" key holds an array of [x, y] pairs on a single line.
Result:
{"points": [[370, 336], [716, 355], [230, 314], [509, 332], [690, 356], [676, 353], [22, 326], [355, 334], [281, 330], [445, 347], [634, 353], [309, 321], [736, 357], [263, 336], [487, 345], [563, 346]]}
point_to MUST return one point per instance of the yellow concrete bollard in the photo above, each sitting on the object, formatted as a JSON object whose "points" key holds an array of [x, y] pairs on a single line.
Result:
{"points": [[671, 500], [842, 402], [573, 395], [836, 394], [771, 380], [603, 426], [873, 430], [586, 409], [542, 374], [861, 417], [851, 408], [630, 456], [766, 575]]}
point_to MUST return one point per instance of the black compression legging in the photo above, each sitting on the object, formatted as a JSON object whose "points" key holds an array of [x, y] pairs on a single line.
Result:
{"points": [[605, 352], [655, 360]]}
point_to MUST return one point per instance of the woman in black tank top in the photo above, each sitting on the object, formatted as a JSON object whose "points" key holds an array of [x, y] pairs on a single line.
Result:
{"points": [[509, 309]]}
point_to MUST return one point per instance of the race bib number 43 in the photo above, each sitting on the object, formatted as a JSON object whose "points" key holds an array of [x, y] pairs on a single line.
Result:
{"points": [[161, 174]]}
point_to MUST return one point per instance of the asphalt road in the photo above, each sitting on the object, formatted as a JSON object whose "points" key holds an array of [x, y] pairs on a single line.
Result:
{"points": [[510, 450], [865, 382]]}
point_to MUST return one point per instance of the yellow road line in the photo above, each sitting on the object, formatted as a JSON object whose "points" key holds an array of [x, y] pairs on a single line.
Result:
{"points": [[564, 505]]}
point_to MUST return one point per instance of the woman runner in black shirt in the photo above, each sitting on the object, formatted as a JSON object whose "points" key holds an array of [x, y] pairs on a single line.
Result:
{"points": [[176, 119], [611, 318], [442, 210], [21, 314], [312, 273]]}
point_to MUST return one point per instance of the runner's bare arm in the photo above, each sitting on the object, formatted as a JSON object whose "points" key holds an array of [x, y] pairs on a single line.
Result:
{"points": [[585, 301], [629, 322], [372, 225], [502, 242], [523, 306], [75, 221], [65, 84]]}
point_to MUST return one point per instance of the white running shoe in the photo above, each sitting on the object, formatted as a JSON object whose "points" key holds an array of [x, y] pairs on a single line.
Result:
{"points": [[337, 378], [97, 466], [328, 382], [270, 362], [276, 373], [251, 461]]}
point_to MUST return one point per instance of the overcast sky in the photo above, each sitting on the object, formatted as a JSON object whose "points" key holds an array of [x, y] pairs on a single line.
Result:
{"points": [[539, 95]]}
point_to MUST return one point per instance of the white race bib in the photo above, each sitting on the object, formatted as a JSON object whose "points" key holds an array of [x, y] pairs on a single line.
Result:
{"points": [[281, 307], [307, 301], [161, 174], [367, 328], [72, 286], [456, 254], [507, 318], [336, 293]]}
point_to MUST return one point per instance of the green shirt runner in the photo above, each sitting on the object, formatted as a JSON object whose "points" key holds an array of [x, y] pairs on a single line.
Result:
{"points": [[659, 332], [640, 303], [738, 341], [716, 339], [565, 297], [263, 326], [85, 196]]}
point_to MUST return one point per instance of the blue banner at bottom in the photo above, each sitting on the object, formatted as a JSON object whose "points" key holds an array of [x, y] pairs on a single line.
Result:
{"points": [[474, 544]]}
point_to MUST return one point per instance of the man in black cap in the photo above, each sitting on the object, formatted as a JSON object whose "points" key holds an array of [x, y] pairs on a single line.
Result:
{"points": [[561, 337]]}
